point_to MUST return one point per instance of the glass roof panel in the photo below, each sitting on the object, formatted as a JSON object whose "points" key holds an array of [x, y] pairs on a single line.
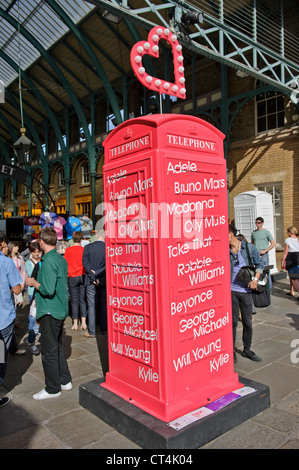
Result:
{"points": [[42, 22]]}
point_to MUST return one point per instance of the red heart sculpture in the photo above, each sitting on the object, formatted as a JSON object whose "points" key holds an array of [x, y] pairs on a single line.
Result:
{"points": [[151, 48]]}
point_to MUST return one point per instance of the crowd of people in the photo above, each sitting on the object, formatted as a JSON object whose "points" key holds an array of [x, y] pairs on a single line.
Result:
{"points": [[57, 286], [256, 253], [74, 283]]}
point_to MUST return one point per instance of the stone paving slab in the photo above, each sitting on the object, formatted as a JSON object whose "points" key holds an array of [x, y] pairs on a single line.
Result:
{"points": [[33, 437], [249, 435], [281, 421]]}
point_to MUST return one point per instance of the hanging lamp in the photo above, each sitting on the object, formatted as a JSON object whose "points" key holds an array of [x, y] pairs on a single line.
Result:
{"points": [[24, 148]]}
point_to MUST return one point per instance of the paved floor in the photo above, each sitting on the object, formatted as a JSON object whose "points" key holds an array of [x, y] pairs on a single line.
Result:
{"points": [[61, 423]]}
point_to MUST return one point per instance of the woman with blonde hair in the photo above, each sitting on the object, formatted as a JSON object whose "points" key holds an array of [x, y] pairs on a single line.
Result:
{"points": [[290, 258]]}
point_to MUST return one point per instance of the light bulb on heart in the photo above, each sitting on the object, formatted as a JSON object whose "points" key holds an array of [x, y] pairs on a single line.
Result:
{"points": [[151, 48]]}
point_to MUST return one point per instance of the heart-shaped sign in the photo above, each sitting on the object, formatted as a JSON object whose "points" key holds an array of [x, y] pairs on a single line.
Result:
{"points": [[151, 48]]}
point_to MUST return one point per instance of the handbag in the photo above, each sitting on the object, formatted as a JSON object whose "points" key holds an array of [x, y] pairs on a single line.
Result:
{"points": [[261, 298], [292, 260], [247, 273], [261, 295]]}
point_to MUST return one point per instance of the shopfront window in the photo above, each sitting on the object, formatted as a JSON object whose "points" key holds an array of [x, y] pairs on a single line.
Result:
{"points": [[61, 209], [84, 208]]}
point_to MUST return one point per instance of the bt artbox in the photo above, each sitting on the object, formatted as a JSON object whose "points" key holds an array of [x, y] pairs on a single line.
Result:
{"points": [[167, 265]]}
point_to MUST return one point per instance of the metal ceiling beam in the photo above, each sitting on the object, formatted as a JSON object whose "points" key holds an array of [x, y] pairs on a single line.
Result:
{"points": [[4, 151], [8, 123], [114, 31], [248, 54], [11, 131], [71, 73], [102, 51], [81, 60], [42, 101], [32, 131], [42, 86], [95, 61], [48, 57], [12, 117], [28, 102]]}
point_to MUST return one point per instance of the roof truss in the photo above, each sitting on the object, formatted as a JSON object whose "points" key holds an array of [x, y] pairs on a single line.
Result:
{"points": [[218, 39]]}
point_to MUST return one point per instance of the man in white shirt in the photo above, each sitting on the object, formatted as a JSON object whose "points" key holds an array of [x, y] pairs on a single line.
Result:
{"points": [[264, 241]]}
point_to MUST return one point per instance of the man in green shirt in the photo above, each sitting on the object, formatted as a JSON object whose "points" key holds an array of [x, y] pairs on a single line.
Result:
{"points": [[51, 311], [264, 242]]}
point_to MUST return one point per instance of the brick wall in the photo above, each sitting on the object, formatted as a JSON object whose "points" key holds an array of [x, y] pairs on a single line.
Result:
{"points": [[264, 160]]}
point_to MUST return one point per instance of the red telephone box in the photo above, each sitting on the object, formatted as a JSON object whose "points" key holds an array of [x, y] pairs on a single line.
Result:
{"points": [[168, 269]]}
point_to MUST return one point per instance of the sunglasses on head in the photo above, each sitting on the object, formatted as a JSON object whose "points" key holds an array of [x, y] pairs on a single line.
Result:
{"points": [[236, 260]]}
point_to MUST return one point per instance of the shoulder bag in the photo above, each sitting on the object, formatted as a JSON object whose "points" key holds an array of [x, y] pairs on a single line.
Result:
{"points": [[262, 299], [247, 273], [261, 295]]}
